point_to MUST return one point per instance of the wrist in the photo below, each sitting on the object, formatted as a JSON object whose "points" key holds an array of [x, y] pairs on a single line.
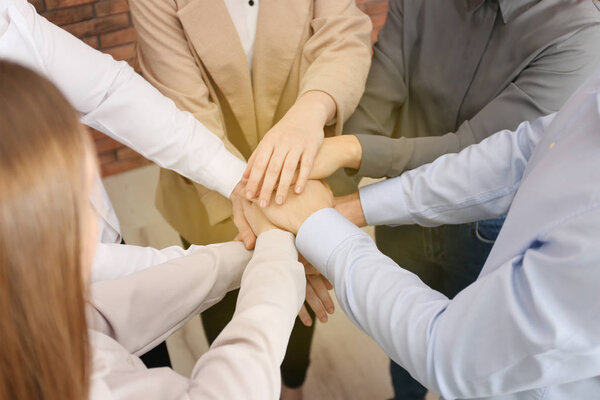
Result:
{"points": [[320, 105], [352, 152]]}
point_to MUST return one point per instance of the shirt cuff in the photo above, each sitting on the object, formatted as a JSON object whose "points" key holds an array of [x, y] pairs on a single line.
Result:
{"points": [[276, 239], [225, 172], [384, 203], [383, 156], [321, 234]]}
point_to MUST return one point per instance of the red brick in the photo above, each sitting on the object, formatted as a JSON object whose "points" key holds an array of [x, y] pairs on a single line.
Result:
{"points": [[96, 134], [39, 5], [109, 7], [122, 166], [51, 4], [70, 15], [106, 144], [126, 52], [106, 158], [125, 153], [99, 25], [378, 21], [373, 7], [92, 41], [117, 38]]}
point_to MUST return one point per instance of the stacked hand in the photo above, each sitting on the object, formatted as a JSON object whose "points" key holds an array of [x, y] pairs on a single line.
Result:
{"points": [[290, 216], [290, 154]]}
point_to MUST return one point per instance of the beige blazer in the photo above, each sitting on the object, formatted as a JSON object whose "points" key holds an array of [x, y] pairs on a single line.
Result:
{"points": [[191, 51], [131, 315]]}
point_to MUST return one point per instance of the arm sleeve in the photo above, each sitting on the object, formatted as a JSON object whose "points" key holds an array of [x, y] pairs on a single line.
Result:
{"points": [[131, 310], [540, 89], [385, 90], [114, 261], [477, 183], [339, 53], [529, 323], [112, 98], [244, 360]]}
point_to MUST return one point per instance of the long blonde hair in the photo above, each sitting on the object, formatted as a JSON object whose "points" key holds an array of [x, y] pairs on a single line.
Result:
{"points": [[44, 350]]}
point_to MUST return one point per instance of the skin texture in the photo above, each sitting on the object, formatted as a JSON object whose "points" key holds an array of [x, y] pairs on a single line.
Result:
{"points": [[335, 153], [291, 143]]}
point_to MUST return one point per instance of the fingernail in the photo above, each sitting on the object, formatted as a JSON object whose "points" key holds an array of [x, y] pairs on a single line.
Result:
{"points": [[249, 195], [323, 319], [330, 310], [263, 203], [279, 200], [298, 189]]}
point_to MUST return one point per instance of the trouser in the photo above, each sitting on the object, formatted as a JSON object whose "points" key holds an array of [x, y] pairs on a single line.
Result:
{"points": [[447, 258], [297, 357], [158, 356]]}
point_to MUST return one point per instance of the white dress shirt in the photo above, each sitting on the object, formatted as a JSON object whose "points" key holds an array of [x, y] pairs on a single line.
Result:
{"points": [[112, 98], [242, 363], [529, 326], [244, 16]]}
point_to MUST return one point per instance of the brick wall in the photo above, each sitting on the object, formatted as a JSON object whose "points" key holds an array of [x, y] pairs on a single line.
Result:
{"points": [[106, 25]]}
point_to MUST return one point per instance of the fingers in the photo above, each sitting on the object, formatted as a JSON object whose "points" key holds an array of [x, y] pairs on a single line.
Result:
{"points": [[315, 303], [318, 284], [245, 232], [271, 177], [287, 176], [260, 162], [305, 316], [305, 167]]}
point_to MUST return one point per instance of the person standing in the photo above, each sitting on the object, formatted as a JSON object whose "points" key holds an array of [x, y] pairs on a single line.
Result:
{"points": [[445, 75], [269, 77]]}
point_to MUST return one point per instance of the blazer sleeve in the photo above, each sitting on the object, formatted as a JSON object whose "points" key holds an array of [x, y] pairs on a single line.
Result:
{"points": [[540, 89], [339, 53], [244, 360], [167, 62], [133, 312]]}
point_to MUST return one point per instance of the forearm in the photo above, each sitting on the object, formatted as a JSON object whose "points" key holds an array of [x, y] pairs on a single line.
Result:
{"points": [[112, 98], [483, 342], [477, 183], [126, 308], [244, 360], [114, 261]]}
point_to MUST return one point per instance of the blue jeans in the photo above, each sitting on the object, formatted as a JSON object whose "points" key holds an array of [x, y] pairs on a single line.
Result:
{"points": [[447, 258]]}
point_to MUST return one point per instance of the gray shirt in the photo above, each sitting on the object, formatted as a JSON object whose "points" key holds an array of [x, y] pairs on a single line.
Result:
{"points": [[449, 73]]}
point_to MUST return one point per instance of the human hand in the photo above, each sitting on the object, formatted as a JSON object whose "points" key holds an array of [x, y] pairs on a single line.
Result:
{"points": [[317, 295], [294, 140], [336, 152], [291, 215], [350, 207], [245, 233], [256, 218]]}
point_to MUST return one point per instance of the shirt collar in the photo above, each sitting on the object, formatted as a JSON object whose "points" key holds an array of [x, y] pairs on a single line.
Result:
{"points": [[510, 9]]}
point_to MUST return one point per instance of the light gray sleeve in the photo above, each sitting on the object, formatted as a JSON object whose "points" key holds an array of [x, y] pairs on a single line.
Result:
{"points": [[541, 88]]}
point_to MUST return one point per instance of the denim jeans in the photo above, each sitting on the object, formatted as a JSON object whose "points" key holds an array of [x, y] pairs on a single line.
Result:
{"points": [[447, 258]]}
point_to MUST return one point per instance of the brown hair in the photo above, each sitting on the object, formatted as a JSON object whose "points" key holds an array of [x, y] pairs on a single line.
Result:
{"points": [[44, 171]]}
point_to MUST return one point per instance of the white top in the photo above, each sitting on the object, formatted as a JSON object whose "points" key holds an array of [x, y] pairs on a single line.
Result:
{"points": [[112, 98], [528, 327], [127, 318], [244, 17]]}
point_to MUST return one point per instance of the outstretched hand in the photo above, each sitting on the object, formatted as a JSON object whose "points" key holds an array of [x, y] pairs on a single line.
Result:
{"points": [[290, 144], [298, 207]]}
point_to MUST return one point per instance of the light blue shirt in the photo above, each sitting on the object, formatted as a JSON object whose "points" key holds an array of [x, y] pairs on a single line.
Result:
{"points": [[529, 327]]}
